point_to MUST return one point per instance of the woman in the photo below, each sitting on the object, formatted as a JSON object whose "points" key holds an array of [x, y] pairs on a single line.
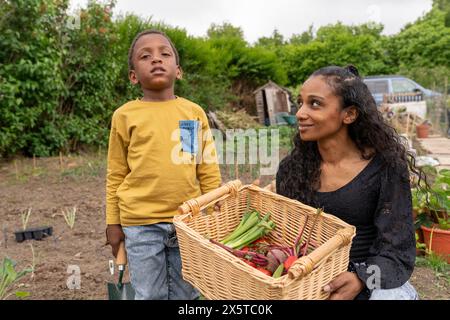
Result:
{"points": [[347, 161]]}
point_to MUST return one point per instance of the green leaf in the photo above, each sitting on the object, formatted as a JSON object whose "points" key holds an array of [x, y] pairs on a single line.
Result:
{"points": [[10, 272], [22, 294]]}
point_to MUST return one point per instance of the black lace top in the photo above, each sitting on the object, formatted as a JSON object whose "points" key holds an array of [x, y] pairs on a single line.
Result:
{"points": [[378, 203]]}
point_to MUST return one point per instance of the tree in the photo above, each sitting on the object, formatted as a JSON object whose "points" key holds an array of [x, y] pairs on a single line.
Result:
{"points": [[225, 30], [273, 42], [340, 45], [420, 50], [443, 5], [303, 38]]}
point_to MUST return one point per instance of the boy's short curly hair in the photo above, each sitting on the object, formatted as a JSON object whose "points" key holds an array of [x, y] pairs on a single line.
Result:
{"points": [[143, 33]]}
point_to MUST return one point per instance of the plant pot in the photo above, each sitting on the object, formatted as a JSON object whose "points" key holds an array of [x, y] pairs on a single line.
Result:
{"points": [[19, 236], [38, 234], [49, 231], [28, 235], [422, 131], [33, 233], [440, 241]]}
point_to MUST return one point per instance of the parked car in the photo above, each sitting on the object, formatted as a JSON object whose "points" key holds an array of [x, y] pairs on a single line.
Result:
{"points": [[381, 85]]}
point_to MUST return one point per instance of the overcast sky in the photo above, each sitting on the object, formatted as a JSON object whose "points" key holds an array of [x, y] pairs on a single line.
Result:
{"points": [[259, 18]]}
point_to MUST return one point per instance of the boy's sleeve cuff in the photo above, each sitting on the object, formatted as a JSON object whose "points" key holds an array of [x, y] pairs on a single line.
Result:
{"points": [[113, 219]]}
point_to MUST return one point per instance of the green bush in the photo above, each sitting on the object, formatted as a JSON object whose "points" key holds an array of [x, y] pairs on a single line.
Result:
{"points": [[57, 82], [30, 79]]}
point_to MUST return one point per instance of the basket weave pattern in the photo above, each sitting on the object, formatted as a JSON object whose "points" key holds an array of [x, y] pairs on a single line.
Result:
{"points": [[220, 275]]}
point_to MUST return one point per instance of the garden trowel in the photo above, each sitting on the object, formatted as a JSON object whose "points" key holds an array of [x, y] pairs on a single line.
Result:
{"points": [[121, 291]]}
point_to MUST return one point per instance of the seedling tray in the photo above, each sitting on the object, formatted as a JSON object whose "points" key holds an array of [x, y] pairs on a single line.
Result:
{"points": [[33, 233]]}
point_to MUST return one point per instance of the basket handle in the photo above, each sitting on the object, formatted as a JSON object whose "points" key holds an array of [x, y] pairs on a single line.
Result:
{"points": [[306, 264], [195, 205]]}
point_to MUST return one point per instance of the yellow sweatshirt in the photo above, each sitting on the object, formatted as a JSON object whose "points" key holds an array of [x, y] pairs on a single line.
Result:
{"points": [[158, 158]]}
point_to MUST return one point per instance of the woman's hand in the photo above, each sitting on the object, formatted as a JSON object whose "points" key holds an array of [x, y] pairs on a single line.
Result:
{"points": [[345, 286]]}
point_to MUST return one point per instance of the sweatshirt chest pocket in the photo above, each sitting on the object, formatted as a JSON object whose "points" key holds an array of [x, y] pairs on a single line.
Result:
{"points": [[189, 135]]}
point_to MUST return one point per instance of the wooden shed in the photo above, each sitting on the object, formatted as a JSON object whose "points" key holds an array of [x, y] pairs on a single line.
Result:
{"points": [[272, 101]]}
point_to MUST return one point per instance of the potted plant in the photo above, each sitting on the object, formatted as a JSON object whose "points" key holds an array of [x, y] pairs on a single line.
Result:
{"points": [[423, 129], [433, 216]]}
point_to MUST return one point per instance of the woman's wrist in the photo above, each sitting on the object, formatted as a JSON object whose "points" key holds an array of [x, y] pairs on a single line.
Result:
{"points": [[352, 267]]}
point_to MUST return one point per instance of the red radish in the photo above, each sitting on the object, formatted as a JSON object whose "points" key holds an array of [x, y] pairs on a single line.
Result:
{"points": [[255, 257], [265, 271], [237, 253], [251, 264], [289, 261]]}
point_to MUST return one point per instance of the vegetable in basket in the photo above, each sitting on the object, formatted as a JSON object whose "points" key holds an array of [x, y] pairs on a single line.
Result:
{"points": [[279, 271], [284, 255], [250, 229], [246, 242]]}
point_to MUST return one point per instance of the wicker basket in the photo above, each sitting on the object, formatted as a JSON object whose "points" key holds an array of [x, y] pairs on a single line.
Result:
{"points": [[220, 275]]}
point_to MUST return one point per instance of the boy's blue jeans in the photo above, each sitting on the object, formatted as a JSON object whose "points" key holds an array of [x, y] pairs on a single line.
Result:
{"points": [[155, 264]]}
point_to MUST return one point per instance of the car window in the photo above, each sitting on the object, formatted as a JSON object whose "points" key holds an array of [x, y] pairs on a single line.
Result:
{"points": [[402, 85], [378, 86]]}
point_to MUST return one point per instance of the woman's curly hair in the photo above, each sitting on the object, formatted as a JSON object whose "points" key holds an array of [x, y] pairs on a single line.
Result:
{"points": [[371, 134]]}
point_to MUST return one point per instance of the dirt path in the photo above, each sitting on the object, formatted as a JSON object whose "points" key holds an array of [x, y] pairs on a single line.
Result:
{"points": [[48, 191]]}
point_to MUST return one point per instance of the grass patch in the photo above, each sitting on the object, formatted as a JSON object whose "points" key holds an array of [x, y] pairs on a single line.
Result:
{"points": [[439, 266], [90, 168]]}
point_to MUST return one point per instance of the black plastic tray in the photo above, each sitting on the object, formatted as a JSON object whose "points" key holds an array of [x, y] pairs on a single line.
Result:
{"points": [[33, 233]]}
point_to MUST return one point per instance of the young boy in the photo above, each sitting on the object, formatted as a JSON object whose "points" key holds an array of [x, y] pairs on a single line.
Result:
{"points": [[153, 167]]}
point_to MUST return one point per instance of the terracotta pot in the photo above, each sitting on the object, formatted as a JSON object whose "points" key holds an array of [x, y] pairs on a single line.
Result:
{"points": [[440, 241], [422, 131]]}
